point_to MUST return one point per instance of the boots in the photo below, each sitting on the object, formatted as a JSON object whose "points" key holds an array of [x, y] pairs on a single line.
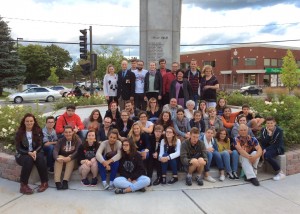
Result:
{"points": [[43, 187], [25, 189]]}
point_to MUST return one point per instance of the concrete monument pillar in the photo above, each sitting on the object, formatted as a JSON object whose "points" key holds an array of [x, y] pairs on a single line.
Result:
{"points": [[160, 22]]}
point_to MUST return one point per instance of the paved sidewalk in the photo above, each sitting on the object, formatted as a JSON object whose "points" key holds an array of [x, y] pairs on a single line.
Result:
{"points": [[271, 197]]}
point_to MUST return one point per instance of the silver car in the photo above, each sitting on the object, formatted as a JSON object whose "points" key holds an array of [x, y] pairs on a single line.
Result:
{"points": [[35, 93]]}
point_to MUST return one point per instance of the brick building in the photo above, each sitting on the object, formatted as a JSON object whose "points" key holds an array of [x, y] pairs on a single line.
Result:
{"points": [[239, 65]]}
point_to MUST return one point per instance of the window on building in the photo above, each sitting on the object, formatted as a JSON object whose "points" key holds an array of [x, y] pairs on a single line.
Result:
{"points": [[235, 61], [184, 65], [250, 61], [267, 62], [212, 63], [280, 63], [274, 62], [250, 79]]}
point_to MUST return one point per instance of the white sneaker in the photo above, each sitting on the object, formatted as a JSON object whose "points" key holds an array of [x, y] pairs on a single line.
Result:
{"points": [[209, 179], [279, 176], [222, 178]]}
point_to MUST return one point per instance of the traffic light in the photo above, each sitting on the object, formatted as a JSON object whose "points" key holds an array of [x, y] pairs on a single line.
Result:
{"points": [[86, 69], [83, 45]]}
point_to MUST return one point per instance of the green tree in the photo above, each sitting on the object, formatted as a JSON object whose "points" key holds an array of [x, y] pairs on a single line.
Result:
{"points": [[76, 72], [53, 78], [108, 55], [59, 58], [37, 61], [12, 69], [290, 76]]}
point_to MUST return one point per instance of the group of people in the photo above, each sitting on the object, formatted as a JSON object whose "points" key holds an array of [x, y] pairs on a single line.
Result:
{"points": [[133, 139]]}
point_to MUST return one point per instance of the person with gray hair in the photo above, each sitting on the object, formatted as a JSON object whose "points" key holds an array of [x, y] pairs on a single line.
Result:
{"points": [[189, 111], [250, 152]]}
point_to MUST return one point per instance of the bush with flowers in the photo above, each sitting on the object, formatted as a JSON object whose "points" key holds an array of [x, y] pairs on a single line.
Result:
{"points": [[285, 110], [10, 118], [80, 101]]}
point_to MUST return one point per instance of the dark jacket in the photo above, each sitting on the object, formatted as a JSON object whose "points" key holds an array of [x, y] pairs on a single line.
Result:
{"points": [[87, 153], [131, 166], [142, 143], [273, 142], [193, 80], [120, 127], [113, 120], [187, 90], [22, 146], [101, 134], [157, 82], [152, 142], [187, 152], [200, 125], [126, 85]]}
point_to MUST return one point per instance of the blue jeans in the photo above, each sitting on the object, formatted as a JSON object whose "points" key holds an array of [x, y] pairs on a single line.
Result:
{"points": [[215, 155], [234, 156], [172, 162], [123, 183], [113, 171], [49, 152], [270, 156], [196, 98]]}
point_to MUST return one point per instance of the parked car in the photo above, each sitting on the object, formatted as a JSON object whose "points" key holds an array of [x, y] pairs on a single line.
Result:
{"points": [[251, 89], [35, 93], [61, 89]]}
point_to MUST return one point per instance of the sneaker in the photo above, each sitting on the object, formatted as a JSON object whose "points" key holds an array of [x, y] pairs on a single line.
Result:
{"points": [[65, 185], [119, 191], [94, 182], [209, 179], [111, 187], [188, 180], [199, 181], [230, 176], [279, 176], [173, 180], [51, 170], [58, 185], [85, 182], [106, 186], [222, 178], [236, 177], [142, 190], [157, 181], [254, 181], [164, 180]]}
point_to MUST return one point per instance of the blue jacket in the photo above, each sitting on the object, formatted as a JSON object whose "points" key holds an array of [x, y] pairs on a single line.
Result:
{"points": [[273, 142]]}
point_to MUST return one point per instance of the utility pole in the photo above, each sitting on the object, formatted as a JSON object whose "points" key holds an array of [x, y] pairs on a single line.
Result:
{"points": [[92, 62]]}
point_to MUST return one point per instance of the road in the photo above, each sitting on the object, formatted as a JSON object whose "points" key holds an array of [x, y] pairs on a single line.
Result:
{"points": [[44, 107]]}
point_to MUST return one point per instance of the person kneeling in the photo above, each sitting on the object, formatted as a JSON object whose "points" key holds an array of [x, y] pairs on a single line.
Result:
{"points": [[132, 172], [193, 156]]}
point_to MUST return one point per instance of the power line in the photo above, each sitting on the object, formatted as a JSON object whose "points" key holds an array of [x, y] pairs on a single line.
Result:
{"points": [[183, 45], [136, 26]]}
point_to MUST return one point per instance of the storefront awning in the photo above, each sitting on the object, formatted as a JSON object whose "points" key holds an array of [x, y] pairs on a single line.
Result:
{"points": [[226, 72], [250, 71], [275, 70]]}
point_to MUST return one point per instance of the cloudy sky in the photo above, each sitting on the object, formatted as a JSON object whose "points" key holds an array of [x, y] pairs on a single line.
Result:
{"points": [[208, 23]]}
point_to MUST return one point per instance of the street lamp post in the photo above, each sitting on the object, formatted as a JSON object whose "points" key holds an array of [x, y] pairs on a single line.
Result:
{"points": [[18, 42]]}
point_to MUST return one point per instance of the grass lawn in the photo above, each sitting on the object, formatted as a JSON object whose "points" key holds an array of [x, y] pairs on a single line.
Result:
{"points": [[4, 94]]}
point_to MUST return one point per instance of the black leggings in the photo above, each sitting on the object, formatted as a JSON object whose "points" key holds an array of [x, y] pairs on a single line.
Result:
{"points": [[27, 163]]}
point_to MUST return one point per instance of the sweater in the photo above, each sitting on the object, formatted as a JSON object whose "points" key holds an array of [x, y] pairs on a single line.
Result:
{"points": [[110, 85], [131, 166], [187, 91], [167, 80], [87, 153], [105, 148], [157, 83], [193, 79], [181, 127], [61, 148]]}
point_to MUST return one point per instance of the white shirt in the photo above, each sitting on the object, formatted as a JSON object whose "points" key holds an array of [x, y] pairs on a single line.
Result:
{"points": [[140, 81], [29, 138]]}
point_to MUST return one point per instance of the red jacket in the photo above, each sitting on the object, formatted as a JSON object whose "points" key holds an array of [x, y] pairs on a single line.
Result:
{"points": [[72, 121], [167, 80]]}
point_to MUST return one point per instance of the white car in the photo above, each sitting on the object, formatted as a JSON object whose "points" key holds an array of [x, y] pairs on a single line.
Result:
{"points": [[61, 89], [35, 93]]}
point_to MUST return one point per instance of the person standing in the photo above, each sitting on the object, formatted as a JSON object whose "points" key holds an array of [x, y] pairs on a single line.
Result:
{"points": [[139, 95], [162, 67], [49, 141], [153, 83], [126, 85], [181, 89], [110, 85], [193, 75], [209, 87], [167, 80], [28, 141]]}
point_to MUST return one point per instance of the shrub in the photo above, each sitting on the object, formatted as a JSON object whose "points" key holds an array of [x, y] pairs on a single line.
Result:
{"points": [[80, 101], [10, 118]]}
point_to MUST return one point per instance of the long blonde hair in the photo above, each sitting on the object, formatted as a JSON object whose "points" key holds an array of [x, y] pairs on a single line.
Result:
{"points": [[152, 99], [131, 133], [107, 68]]}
